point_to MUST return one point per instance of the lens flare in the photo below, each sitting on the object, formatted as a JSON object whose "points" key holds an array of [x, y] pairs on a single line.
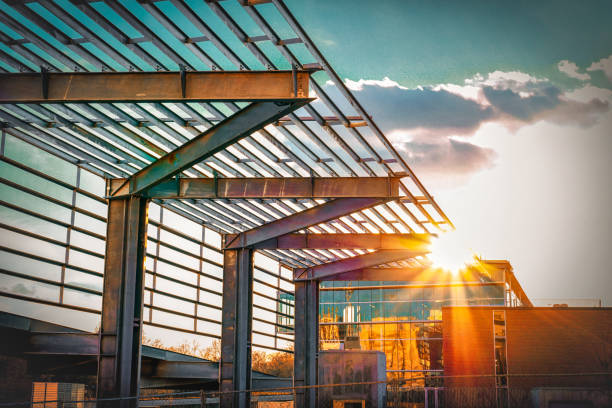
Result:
{"points": [[451, 252]]}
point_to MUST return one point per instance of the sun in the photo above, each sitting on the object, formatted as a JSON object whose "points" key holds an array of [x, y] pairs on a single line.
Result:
{"points": [[451, 252]]}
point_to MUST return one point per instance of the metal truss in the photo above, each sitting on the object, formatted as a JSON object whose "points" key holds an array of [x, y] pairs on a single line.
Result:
{"points": [[323, 139], [134, 104]]}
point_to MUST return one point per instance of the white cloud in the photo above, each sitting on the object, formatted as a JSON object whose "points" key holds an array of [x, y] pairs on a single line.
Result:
{"points": [[571, 70], [503, 79], [385, 83], [587, 93], [465, 91], [604, 64]]}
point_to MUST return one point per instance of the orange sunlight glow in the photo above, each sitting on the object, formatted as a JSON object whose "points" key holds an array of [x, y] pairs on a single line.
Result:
{"points": [[450, 252]]}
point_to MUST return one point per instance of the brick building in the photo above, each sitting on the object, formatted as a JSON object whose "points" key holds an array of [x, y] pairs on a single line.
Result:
{"points": [[504, 356]]}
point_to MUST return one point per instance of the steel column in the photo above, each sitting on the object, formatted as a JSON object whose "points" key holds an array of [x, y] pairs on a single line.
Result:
{"points": [[306, 342], [120, 331], [235, 364]]}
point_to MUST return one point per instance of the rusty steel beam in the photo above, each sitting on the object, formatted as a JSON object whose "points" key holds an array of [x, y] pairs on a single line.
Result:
{"points": [[346, 241], [382, 274], [331, 269], [213, 140], [268, 187], [80, 344], [121, 325], [56, 87], [330, 210]]}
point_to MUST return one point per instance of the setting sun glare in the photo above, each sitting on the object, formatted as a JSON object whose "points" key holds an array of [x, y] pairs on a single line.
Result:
{"points": [[451, 252]]}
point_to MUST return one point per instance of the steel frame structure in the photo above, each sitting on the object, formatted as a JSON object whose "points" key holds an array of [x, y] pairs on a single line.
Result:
{"points": [[139, 139]]}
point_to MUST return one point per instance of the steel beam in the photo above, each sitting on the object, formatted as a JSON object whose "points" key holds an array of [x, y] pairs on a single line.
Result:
{"points": [[120, 331], [383, 274], [235, 364], [346, 241], [213, 140], [306, 342], [185, 86], [268, 187], [321, 213], [331, 269], [186, 369], [80, 344]]}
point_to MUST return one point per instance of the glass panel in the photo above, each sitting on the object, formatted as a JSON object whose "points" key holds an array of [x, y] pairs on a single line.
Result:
{"points": [[209, 328], [180, 223], [500, 356], [85, 261], [34, 204], [180, 242], [90, 224], [84, 280], [82, 299], [40, 160], [87, 242], [31, 245], [92, 183], [169, 319], [27, 266], [33, 182], [26, 287], [212, 238], [91, 205], [178, 257], [33, 224]]}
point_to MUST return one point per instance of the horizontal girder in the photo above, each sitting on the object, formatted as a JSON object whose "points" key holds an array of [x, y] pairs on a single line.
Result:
{"points": [[47, 87], [330, 210], [269, 187], [331, 269], [83, 344], [347, 241]]}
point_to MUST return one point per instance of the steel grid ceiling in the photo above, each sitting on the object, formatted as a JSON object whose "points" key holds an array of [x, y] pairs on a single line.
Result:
{"points": [[332, 136]]}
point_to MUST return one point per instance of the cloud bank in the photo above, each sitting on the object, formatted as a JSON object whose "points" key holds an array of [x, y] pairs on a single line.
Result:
{"points": [[432, 125]]}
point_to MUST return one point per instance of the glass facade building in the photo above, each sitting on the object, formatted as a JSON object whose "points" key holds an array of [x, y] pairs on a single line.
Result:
{"points": [[404, 319]]}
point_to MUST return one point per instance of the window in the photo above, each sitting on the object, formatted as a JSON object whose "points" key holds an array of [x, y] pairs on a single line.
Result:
{"points": [[501, 365]]}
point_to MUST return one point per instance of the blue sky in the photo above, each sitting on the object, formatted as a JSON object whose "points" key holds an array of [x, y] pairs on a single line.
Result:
{"points": [[503, 110], [429, 42]]}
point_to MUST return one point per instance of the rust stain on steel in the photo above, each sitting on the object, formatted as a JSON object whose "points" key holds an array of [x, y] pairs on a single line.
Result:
{"points": [[153, 86]]}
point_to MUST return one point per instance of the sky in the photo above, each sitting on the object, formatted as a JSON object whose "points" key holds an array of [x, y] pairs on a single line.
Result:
{"points": [[503, 111]]}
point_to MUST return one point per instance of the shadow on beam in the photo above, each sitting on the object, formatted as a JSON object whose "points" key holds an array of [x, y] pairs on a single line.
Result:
{"points": [[209, 86], [268, 187], [415, 242]]}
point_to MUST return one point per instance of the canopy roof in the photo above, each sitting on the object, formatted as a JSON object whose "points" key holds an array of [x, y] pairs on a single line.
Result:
{"points": [[333, 136]]}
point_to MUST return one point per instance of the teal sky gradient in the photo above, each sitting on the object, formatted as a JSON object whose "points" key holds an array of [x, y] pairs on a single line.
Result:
{"points": [[430, 42]]}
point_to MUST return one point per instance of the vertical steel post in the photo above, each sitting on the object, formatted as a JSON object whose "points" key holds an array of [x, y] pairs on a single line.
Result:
{"points": [[306, 342], [120, 329], [235, 366]]}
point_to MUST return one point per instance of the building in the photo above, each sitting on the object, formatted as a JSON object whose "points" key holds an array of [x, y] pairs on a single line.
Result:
{"points": [[509, 356], [404, 318]]}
